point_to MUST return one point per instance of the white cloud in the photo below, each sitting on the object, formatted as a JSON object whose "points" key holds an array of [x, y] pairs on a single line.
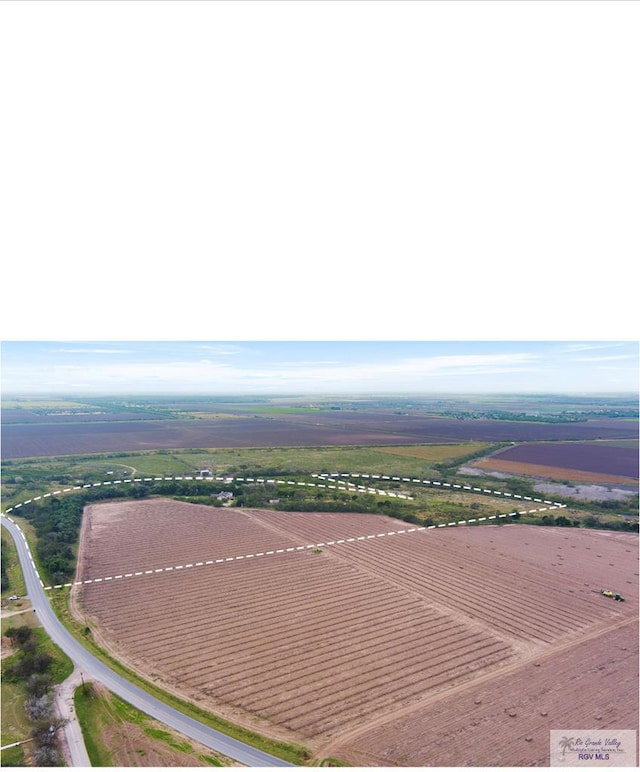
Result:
{"points": [[220, 350], [210, 375], [616, 357], [592, 346], [91, 351]]}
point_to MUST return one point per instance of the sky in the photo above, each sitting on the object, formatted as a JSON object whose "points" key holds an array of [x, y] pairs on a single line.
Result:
{"points": [[317, 367]]}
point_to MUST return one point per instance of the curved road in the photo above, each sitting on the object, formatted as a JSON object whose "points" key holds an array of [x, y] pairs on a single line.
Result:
{"points": [[94, 668]]}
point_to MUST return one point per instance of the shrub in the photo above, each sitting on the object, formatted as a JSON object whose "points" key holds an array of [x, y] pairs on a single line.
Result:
{"points": [[39, 708]]}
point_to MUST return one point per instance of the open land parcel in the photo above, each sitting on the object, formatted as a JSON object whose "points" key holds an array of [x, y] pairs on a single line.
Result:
{"points": [[457, 639]]}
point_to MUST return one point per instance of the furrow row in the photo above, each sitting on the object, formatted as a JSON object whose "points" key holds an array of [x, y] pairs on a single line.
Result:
{"points": [[483, 597], [359, 660], [404, 684]]}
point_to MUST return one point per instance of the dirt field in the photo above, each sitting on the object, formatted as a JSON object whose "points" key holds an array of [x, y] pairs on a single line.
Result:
{"points": [[368, 649], [505, 720], [590, 461], [519, 469], [66, 437]]}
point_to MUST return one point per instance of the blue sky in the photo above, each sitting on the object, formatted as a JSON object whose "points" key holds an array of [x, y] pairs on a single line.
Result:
{"points": [[316, 367]]}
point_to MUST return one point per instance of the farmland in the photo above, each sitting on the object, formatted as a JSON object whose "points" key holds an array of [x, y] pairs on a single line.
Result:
{"points": [[597, 461], [347, 645], [498, 723], [27, 434]]}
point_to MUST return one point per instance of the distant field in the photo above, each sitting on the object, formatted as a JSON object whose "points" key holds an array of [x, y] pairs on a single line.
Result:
{"points": [[43, 404], [519, 469], [630, 443], [68, 435], [280, 410], [60, 418], [580, 461]]}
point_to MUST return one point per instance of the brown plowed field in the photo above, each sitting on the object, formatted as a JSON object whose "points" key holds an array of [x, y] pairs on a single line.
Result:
{"points": [[520, 468], [505, 720], [341, 648]]}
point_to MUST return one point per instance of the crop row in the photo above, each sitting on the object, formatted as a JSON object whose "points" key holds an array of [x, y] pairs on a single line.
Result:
{"points": [[154, 535], [529, 608], [507, 598], [593, 684], [314, 642], [322, 705], [229, 607], [399, 688]]}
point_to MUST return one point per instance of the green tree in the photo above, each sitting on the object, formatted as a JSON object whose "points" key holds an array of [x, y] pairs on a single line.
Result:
{"points": [[19, 635]]}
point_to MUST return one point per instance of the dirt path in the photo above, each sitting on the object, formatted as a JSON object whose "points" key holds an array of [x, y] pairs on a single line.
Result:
{"points": [[14, 613], [71, 740]]}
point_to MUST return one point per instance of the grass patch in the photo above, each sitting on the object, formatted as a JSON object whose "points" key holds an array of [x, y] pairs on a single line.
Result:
{"points": [[29, 619], [126, 712], [436, 452], [114, 730], [167, 737], [92, 713], [212, 760], [15, 724], [13, 757]]}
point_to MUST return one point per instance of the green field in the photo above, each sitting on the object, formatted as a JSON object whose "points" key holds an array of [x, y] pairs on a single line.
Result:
{"points": [[27, 478], [437, 453]]}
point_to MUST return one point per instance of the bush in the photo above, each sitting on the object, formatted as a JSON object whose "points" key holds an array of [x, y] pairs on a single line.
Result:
{"points": [[46, 756], [38, 684], [19, 635], [39, 708], [26, 665], [3, 565]]}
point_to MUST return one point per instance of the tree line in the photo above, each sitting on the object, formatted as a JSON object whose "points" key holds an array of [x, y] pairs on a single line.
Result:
{"points": [[4, 559], [57, 520]]}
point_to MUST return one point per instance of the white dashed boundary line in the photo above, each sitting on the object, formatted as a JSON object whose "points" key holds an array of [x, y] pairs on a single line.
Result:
{"points": [[328, 479]]}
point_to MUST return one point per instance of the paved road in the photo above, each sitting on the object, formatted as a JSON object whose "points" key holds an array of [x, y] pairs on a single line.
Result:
{"points": [[93, 668]]}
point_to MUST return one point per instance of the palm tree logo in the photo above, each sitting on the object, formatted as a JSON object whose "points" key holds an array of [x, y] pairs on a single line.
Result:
{"points": [[565, 744]]}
